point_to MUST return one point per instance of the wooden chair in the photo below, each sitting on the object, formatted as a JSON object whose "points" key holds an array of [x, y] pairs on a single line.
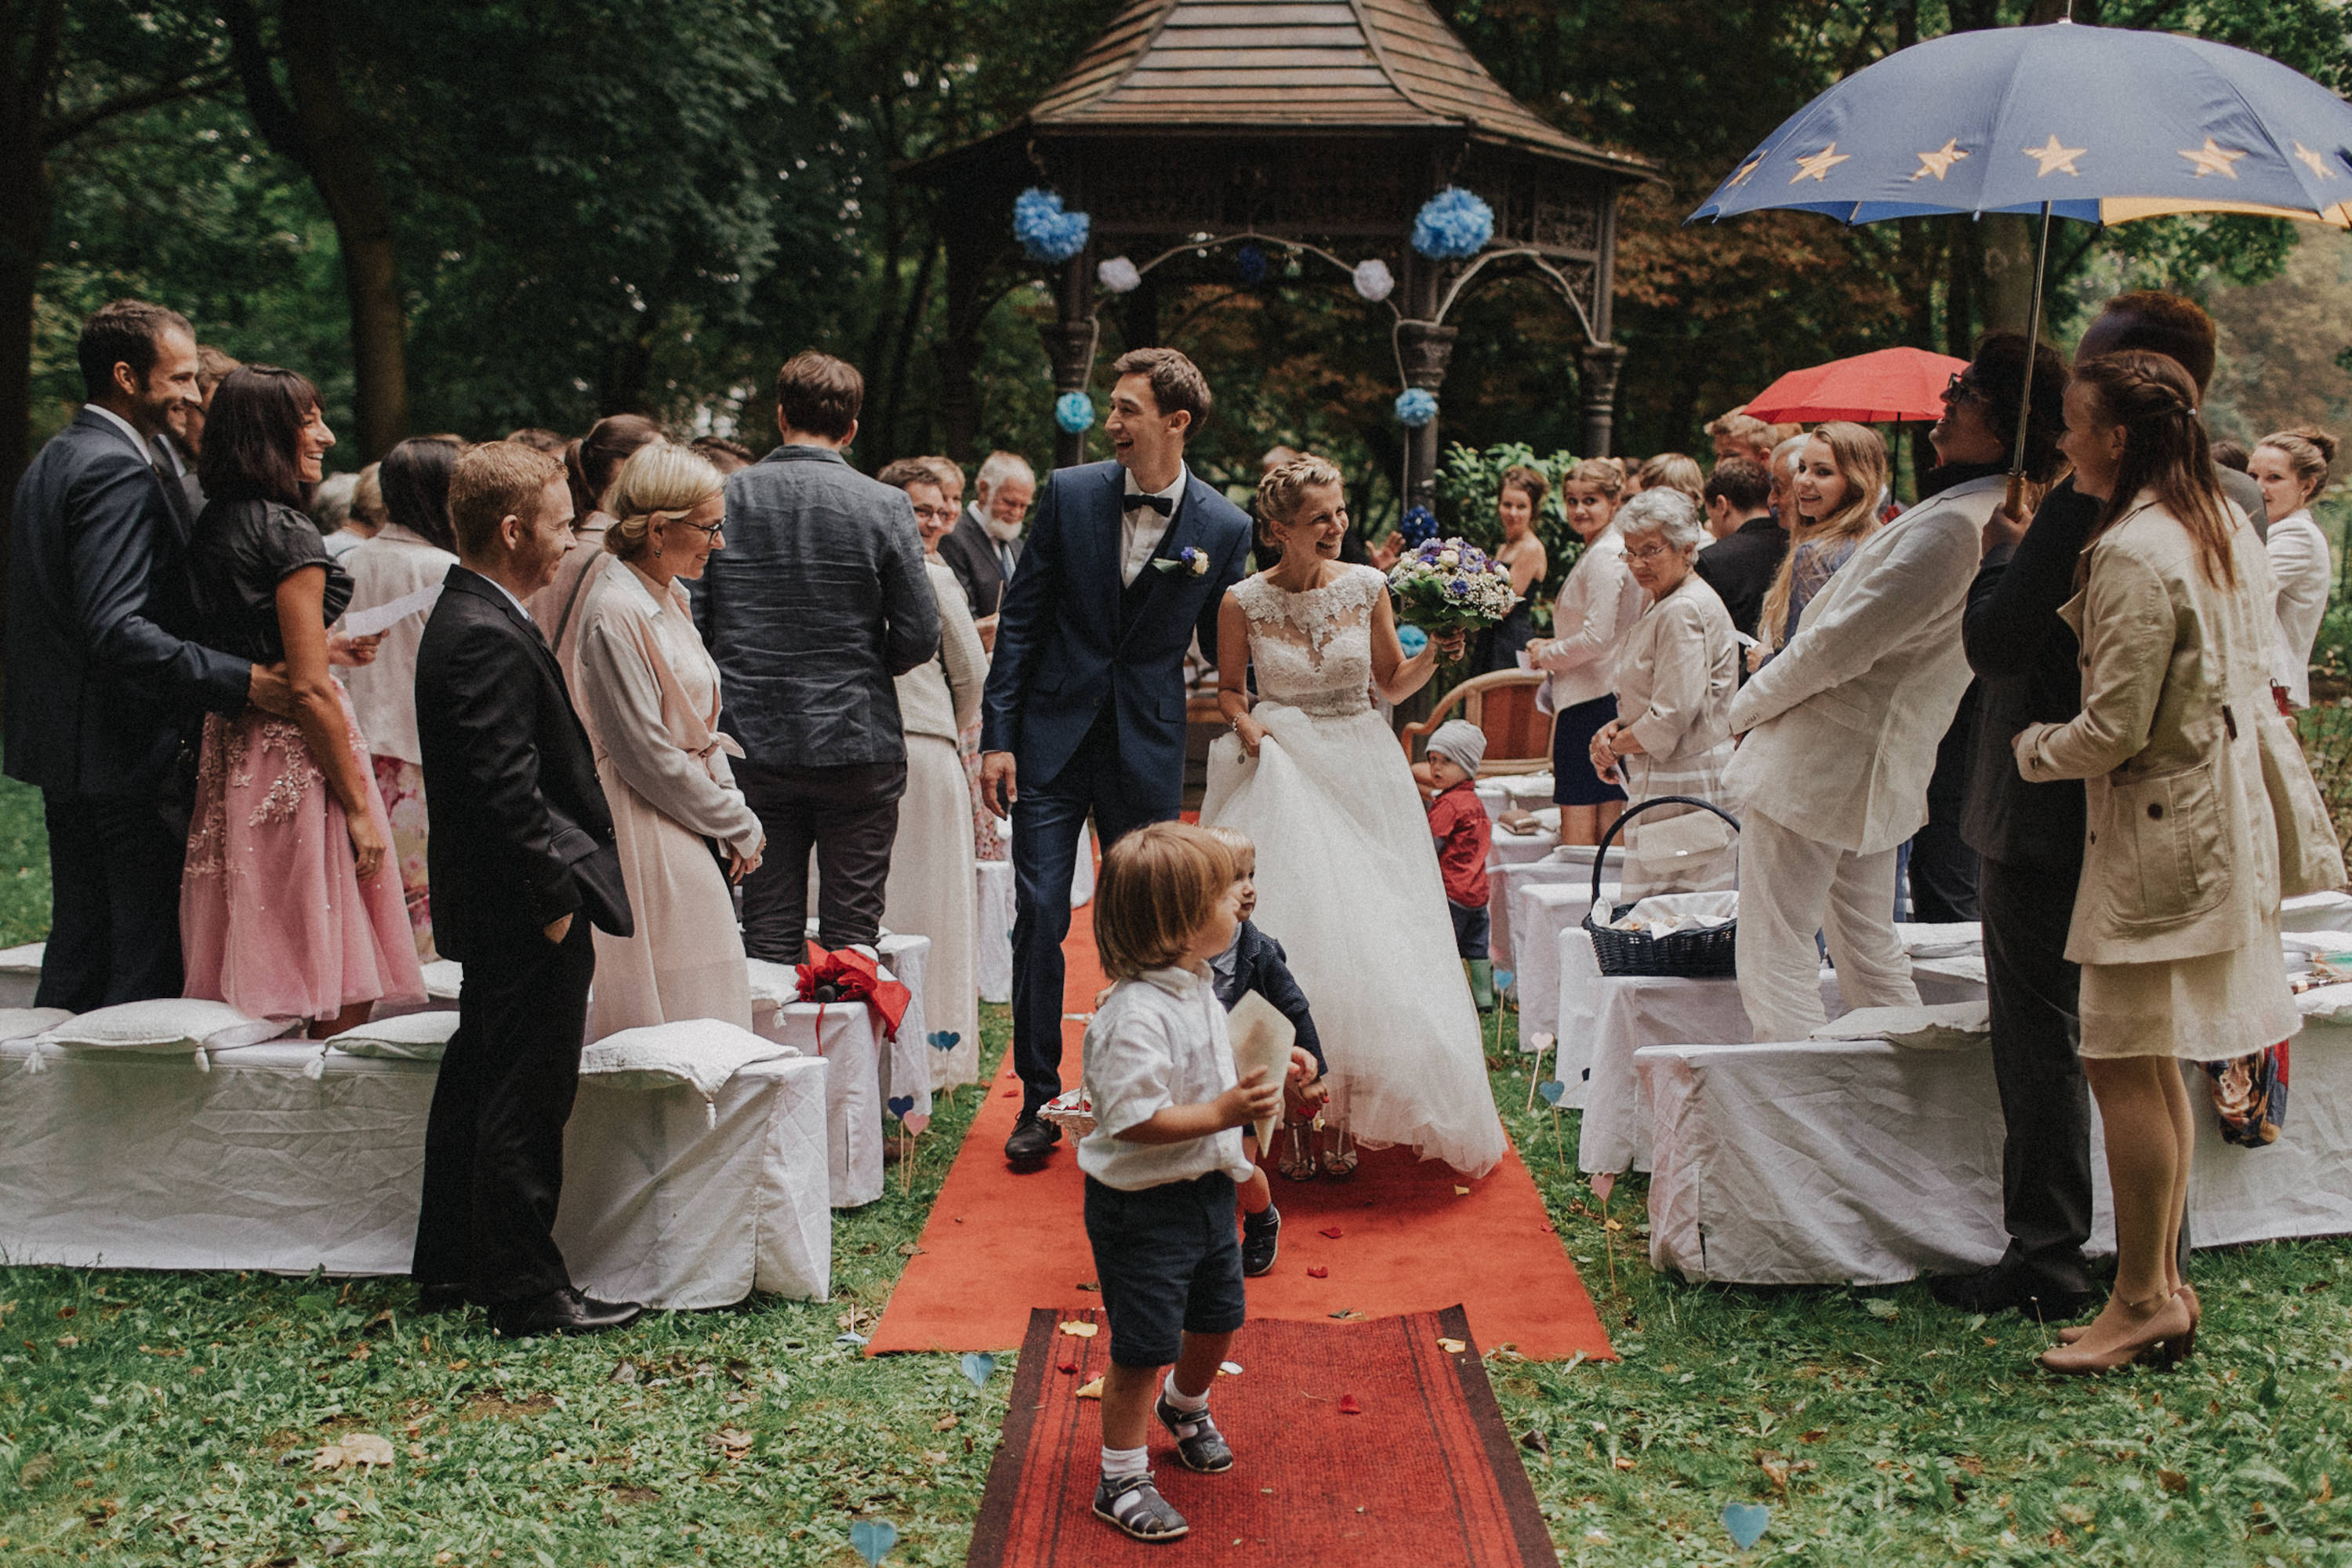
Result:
{"points": [[1503, 705]]}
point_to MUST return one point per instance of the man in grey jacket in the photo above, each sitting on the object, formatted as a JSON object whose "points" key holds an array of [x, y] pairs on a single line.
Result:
{"points": [[817, 604]]}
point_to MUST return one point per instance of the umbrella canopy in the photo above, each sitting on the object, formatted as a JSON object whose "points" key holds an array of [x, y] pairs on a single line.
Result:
{"points": [[2100, 124], [1869, 389]]}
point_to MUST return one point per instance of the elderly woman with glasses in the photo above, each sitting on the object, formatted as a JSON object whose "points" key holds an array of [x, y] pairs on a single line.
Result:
{"points": [[647, 692], [1676, 671], [933, 872]]}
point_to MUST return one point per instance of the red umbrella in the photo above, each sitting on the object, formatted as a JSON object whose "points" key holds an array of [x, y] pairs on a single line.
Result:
{"points": [[1870, 389]]}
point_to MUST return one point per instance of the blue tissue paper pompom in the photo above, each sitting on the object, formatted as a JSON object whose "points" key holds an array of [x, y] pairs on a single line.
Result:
{"points": [[1420, 525], [1411, 639], [1452, 225], [1416, 406], [1043, 229], [1074, 412]]}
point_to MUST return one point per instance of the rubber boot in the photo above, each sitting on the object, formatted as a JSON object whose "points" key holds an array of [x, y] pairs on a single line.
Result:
{"points": [[1482, 981]]}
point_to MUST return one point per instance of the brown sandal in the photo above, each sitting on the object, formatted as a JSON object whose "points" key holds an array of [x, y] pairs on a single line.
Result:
{"points": [[1296, 1162]]}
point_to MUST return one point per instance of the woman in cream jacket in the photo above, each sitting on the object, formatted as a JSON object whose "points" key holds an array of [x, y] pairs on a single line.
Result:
{"points": [[2175, 921]]}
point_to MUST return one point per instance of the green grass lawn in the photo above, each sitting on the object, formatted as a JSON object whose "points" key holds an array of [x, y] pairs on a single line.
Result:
{"points": [[176, 1418]]}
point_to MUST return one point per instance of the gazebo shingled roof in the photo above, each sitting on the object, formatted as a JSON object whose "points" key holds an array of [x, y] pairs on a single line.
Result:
{"points": [[1320, 64], [1318, 123]]}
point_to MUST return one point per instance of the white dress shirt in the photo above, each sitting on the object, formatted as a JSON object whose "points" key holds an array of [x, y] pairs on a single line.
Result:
{"points": [[1157, 1042], [1142, 528], [120, 422], [1597, 606]]}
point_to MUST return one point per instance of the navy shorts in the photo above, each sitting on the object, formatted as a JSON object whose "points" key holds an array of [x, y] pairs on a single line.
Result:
{"points": [[1170, 1264], [1470, 923]]}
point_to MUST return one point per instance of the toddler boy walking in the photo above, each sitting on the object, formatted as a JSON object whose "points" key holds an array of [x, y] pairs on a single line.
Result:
{"points": [[1458, 821]]}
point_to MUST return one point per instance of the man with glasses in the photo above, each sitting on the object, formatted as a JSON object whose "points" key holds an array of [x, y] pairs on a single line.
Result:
{"points": [[816, 605], [983, 547]]}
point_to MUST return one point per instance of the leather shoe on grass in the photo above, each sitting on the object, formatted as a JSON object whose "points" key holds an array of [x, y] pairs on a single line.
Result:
{"points": [[565, 1311], [2004, 1287], [1032, 1141]]}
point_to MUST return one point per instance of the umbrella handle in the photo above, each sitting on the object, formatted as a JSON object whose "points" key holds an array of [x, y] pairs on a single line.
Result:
{"points": [[2033, 342]]}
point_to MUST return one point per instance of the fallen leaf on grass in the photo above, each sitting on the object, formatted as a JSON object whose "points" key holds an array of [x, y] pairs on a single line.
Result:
{"points": [[2172, 1481], [1814, 1436], [1775, 1469], [1089, 1390], [364, 1450], [1535, 1442], [730, 1439], [1879, 1307], [946, 1423], [637, 1494]]}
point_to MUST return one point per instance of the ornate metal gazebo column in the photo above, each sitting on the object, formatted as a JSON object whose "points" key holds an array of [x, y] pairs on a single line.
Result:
{"points": [[1070, 344], [1425, 348]]}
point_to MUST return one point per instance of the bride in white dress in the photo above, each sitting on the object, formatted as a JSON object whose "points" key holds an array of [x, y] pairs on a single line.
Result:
{"points": [[1346, 872]]}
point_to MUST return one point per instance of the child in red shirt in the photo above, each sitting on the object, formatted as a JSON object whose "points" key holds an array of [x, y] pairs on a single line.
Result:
{"points": [[1457, 820]]}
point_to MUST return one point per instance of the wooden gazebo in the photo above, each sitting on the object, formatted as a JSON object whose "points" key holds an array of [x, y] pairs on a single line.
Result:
{"points": [[1319, 125]]}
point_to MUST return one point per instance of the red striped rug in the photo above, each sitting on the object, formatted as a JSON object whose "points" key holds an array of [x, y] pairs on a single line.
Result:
{"points": [[1373, 1444]]}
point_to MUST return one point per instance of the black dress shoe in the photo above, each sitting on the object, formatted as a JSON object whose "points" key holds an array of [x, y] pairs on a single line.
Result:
{"points": [[1032, 1141], [565, 1311], [441, 1298], [2006, 1288]]}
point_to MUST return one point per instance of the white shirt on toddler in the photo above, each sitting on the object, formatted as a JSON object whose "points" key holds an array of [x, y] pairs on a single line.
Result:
{"points": [[1157, 1042]]}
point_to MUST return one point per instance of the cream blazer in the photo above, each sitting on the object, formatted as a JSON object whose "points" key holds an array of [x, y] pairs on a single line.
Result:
{"points": [[2298, 558], [2180, 856], [941, 696], [392, 565], [1842, 726]]}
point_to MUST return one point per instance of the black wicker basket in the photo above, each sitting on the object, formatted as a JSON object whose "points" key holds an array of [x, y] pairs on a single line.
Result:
{"points": [[1710, 954]]}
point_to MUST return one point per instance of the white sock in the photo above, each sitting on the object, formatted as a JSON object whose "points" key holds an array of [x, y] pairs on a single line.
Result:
{"points": [[1119, 1462], [1181, 1403]]}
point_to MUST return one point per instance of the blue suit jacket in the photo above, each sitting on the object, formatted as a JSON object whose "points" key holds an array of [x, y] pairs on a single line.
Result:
{"points": [[1068, 640], [101, 683]]}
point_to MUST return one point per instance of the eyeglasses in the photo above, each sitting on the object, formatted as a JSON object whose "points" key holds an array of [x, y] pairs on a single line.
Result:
{"points": [[1651, 552], [1960, 389], [708, 530], [935, 514]]}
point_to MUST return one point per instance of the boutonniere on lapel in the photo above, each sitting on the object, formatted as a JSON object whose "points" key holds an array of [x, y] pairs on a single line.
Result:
{"points": [[1186, 562]]}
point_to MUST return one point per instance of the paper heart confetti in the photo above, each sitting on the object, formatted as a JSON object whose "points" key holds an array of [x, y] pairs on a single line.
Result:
{"points": [[1330, 1230], [945, 1039], [1551, 1088], [1452, 1347], [979, 1366], [1081, 1331], [900, 1104], [1347, 1405], [1229, 1369], [1089, 1390], [873, 1537], [1746, 1522], [1318, 1272], [1068, 1368]]}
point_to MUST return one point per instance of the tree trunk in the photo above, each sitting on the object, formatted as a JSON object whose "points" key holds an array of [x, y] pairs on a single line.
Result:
{"points": [[26, 205]]}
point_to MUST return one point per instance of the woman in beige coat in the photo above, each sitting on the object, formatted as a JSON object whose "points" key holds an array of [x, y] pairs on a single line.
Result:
{"points": [[933, 886], [1676, 671], [2175, 922], [649, 694]]}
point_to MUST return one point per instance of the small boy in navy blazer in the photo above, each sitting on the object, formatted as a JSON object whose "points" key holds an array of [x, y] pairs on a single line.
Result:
{"points": [[1256, 962]]}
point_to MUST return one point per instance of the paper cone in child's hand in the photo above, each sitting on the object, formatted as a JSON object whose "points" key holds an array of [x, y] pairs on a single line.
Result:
{"points": [[1261, 1038]]}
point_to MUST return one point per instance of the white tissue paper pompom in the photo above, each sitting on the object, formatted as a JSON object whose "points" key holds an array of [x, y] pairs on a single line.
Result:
{"points": [[1119, 275], [1373, 279]]}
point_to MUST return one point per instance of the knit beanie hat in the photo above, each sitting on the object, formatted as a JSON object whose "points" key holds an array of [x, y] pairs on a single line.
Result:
{"points": [[1460, 741]]}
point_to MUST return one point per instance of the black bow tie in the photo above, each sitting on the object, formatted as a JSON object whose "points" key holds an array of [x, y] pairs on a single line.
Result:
{"points": [[1164, 505]]}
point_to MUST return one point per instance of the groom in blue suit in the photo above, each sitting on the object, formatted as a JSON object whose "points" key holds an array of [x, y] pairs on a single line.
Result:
{"points": [[1085, 706]]}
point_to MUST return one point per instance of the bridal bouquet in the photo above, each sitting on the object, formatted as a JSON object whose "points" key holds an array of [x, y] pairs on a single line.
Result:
{"points": [[1450, 584]]}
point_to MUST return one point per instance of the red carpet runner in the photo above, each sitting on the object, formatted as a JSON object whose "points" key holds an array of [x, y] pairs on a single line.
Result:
{"points": [[1400, 1237], [1447, 1493]]}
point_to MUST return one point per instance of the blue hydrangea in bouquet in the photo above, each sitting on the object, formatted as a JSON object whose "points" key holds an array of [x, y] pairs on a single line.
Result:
{"points": [[1446, 585]]}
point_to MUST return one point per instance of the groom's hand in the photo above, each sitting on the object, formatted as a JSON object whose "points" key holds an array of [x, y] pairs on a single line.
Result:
{"points": [[998, 789]]}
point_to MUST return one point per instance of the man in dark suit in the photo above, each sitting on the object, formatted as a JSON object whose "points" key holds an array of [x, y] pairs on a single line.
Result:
{"points": [[985, 543], [814, 608], [1748, 542], [522, 861], [1084, 713], [104, 694]]}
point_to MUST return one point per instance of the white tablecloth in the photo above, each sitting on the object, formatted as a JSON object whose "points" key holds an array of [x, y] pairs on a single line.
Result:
{"points": [[1541, 912], [123, 1161], [993, 965], [854, 1170], [1605, 1019], [1568, 866], [1865, 1163]]}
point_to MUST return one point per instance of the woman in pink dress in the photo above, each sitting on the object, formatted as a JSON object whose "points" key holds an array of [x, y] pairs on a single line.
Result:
{"points": [[288, 908]]}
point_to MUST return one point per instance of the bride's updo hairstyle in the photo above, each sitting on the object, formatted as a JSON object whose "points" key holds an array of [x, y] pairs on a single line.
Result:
{"points": [[1285, 485], [660, 483], [1159, 885]]}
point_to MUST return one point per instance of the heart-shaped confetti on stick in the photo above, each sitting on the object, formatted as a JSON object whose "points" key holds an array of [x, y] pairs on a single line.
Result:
{"points": [[1551, 1088], [900, 1104], [915, 1124], [873, 1537], [945, 1039], [1746, 1522], [979, 1366]]}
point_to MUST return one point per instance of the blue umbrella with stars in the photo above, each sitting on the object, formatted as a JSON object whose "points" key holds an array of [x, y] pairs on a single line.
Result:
{"points": [[2100, 124]]}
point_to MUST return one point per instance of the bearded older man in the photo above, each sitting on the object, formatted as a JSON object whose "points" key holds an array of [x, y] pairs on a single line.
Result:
{"points": [[985, 543]]}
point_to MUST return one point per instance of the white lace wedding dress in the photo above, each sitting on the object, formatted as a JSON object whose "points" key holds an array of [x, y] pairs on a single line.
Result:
{"points": [[1348, 879]]}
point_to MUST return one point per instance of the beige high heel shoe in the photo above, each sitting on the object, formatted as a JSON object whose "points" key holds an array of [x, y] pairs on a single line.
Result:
{"points": [[2188, 1293], [2165, 1332]]}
